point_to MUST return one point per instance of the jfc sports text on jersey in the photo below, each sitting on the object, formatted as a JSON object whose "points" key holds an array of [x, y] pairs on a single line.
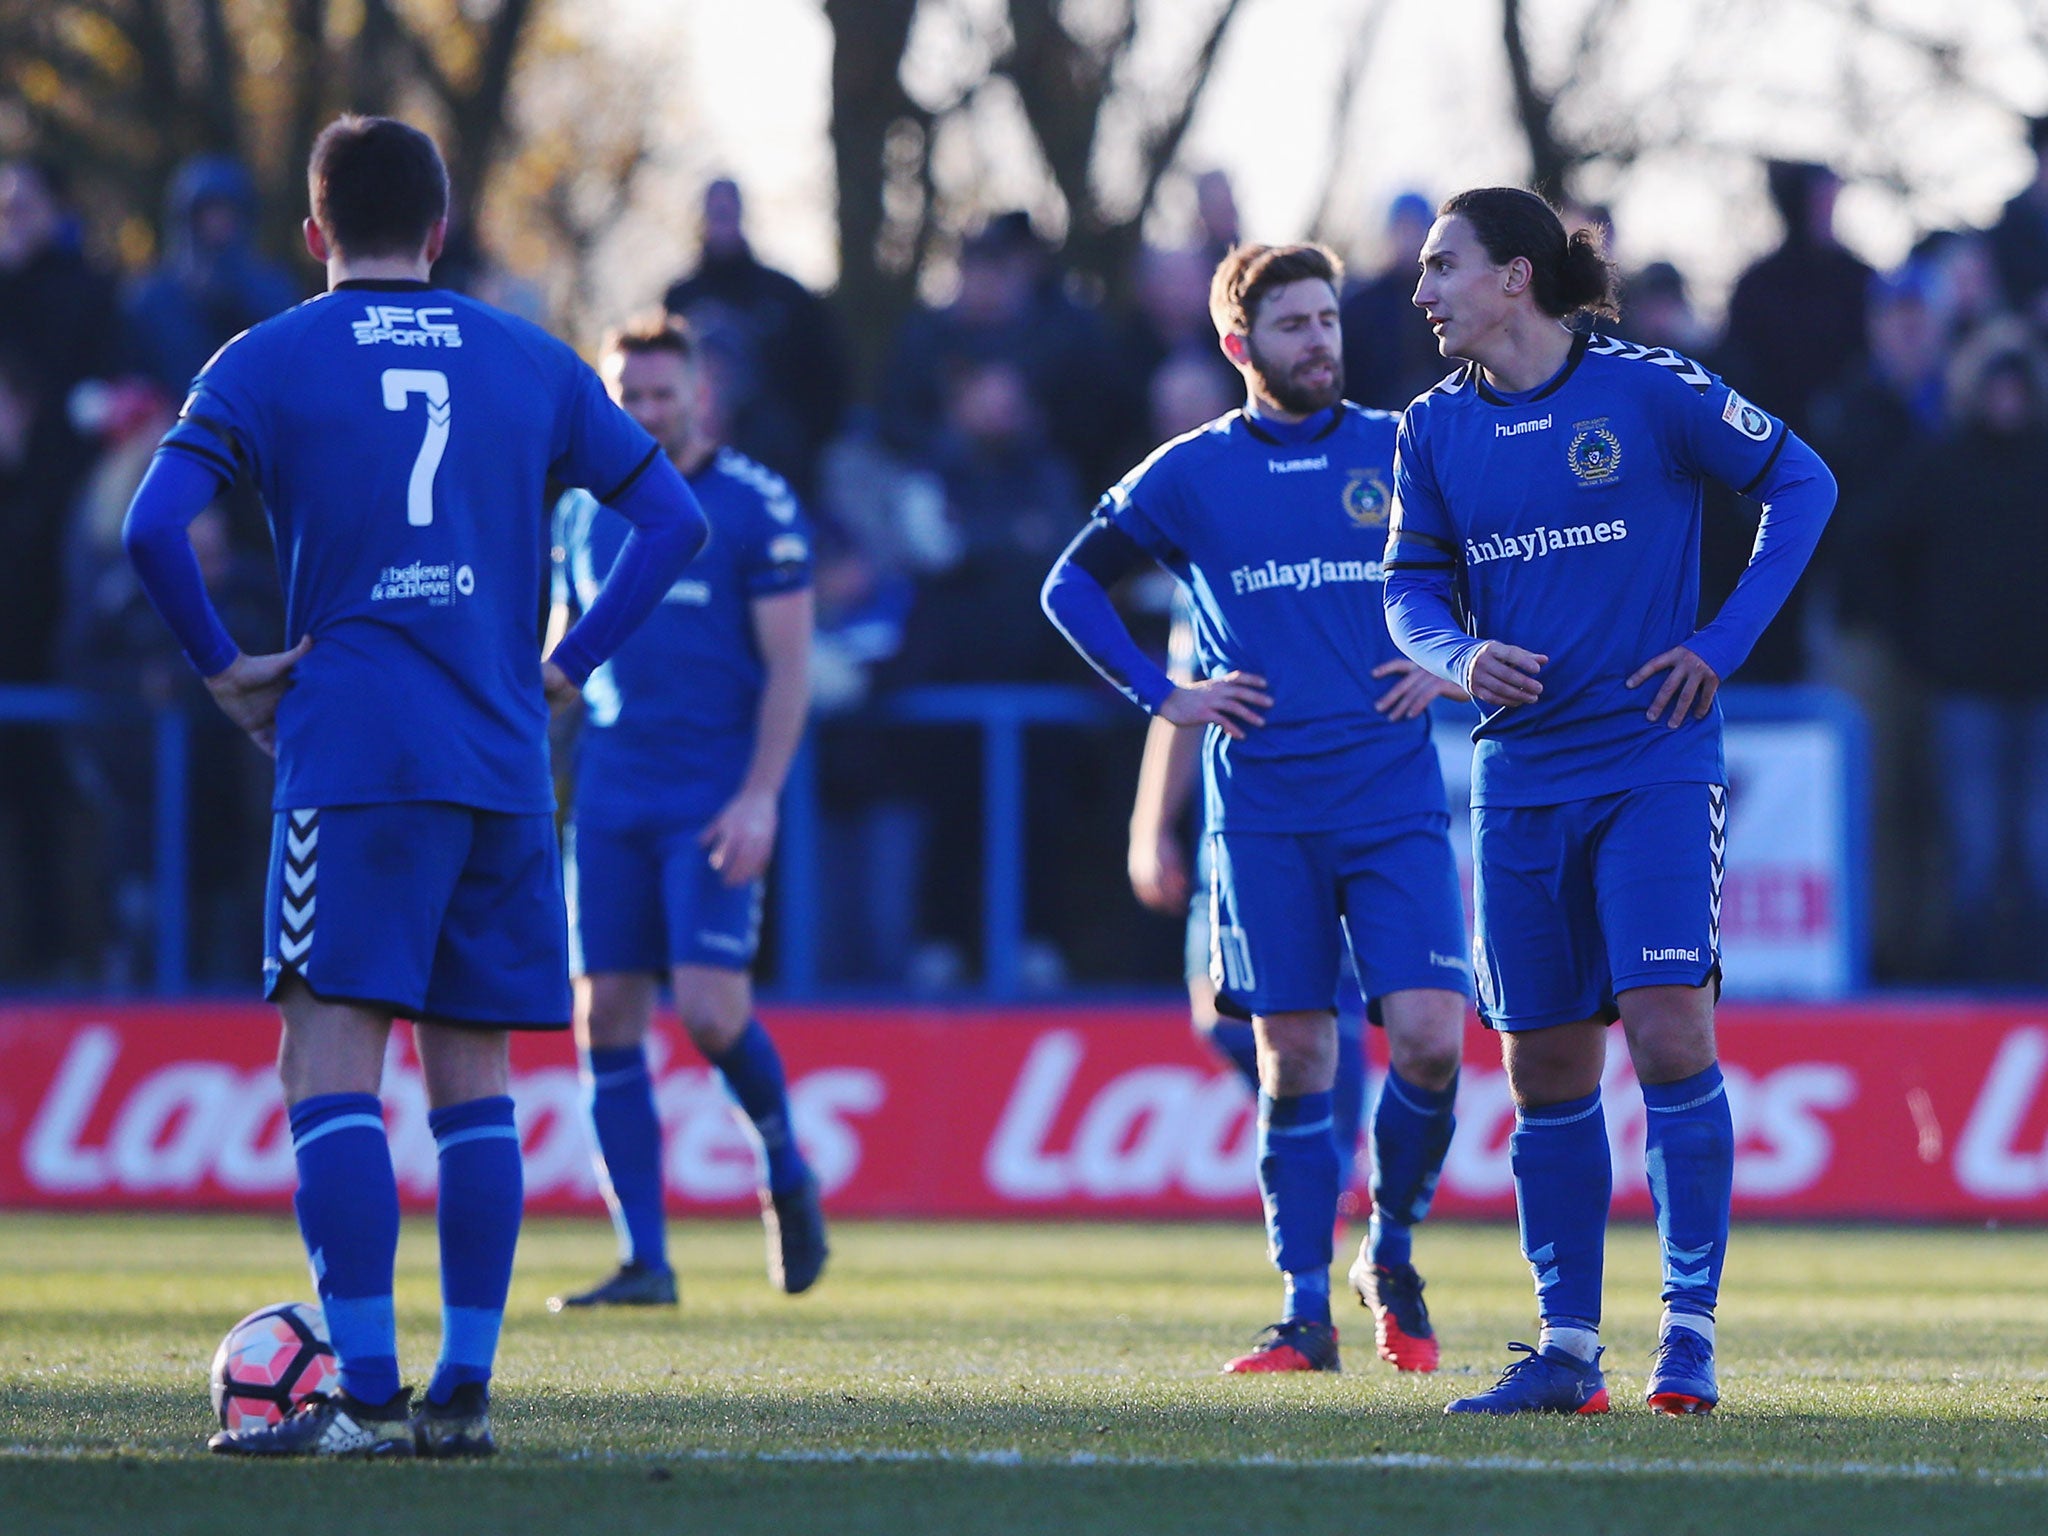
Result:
{"points": [[403, 439]]}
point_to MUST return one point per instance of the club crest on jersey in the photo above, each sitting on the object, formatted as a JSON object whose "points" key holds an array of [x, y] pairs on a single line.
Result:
{"points": [[1595, 452], [1366, 499], [1746, 418], [404, 326]]}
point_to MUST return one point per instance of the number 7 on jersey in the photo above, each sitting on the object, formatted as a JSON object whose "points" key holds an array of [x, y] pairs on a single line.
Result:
{"points": [[400, 384]]}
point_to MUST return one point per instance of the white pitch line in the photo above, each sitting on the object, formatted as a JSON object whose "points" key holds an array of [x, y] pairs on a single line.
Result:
{"points": [[1391, 1461], [1423, 1461]]}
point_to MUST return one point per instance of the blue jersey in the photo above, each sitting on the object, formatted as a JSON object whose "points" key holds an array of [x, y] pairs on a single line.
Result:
{"points": [[1277, 531], [1570, 516], [670, 728], [403, 438]]}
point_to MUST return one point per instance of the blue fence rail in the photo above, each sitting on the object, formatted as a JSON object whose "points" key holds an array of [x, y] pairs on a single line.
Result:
{"points": [[1003, 715], [36, 705]]}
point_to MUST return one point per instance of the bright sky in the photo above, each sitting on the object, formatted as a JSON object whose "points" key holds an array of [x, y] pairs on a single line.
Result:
{"points": [[1432, 113]]}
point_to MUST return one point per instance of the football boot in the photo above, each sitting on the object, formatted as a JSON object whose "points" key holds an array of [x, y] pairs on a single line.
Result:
{"points": [[1682, 1374], [1400, 1321], [457, 1429], [329, 1424], [634, 1285], [1542, 1381], [795, 1224], [1299, 1345]]}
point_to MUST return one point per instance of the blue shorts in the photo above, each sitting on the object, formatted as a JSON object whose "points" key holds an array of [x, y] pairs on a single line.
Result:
{"points": [[1286, 906], [647, 899], [432, 912], [1582, 901], [1195, 949]]}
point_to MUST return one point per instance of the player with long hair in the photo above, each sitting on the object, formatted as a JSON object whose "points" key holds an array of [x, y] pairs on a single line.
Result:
{"points": [[1545, 555]]}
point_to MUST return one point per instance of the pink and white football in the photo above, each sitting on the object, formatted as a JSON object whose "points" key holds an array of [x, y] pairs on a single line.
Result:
{"points": [[269, 1362]]}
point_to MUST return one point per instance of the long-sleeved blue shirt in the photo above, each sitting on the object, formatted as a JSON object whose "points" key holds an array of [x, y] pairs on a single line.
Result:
{"points": [[1276, 530], [1566, 520], [402, 437]]}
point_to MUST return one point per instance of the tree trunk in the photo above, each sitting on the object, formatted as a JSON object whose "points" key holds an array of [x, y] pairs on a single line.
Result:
{"points": [[1549, 160], [868, 105]]}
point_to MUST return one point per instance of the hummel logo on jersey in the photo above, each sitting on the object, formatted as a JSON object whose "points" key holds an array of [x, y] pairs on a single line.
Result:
{"points": [[1527, 546], [1297, 466], [1671, 954], [1303, 575], [433, 326], [1517, 429]]}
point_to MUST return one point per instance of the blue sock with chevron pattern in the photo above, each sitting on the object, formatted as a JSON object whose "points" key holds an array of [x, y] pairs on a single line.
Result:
{"points": [[1564, 1182], [1691, 1165]]}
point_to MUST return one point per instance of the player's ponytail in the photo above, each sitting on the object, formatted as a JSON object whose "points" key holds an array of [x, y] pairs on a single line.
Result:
{"points": [[1568, 272]]}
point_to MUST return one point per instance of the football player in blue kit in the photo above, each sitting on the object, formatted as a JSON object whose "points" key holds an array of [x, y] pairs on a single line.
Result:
{"points": [[689, 733], [1159, 875], [1545, 554], [1324, 806], [402, 437]]}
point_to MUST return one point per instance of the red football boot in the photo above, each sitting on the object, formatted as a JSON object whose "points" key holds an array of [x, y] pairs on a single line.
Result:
{"points": [[1296, 1346], [1400, 1321]]}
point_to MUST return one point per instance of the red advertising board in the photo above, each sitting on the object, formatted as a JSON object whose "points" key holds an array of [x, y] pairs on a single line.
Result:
{"points": [[1909, 1110]]}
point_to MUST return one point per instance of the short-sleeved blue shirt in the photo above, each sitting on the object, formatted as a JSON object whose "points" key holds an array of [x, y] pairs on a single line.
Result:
{"points": [[670, 728], [1571, 517], [1277, 531], [403, 438]]}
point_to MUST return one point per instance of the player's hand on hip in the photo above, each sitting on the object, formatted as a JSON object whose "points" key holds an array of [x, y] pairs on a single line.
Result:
{"points": [[1689, 685], [1415, 689], [742, 837], [248, 688], [1158, 869], [1231, 703], [1504, 675], [554, 682]]}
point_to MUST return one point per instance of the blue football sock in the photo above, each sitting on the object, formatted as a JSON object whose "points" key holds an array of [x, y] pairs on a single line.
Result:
{"points": [[628, 1132], [482, 1191], [1411, 1132], [1236, 1043], [1308, 1297], [347, 1203], [1347, 1101], [1691, 1164], [1564, 1182], [1298, 1185], [752, 1069]]}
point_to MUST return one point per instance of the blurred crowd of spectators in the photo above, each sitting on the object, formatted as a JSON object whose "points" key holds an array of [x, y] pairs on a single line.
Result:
{"points": [[945, 485]]}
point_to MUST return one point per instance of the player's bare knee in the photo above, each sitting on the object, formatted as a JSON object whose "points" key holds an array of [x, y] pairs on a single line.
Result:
{"points": [[1427, 1061], [463, 1064], [1670, 1031], [328, 1047], [1297, 1052], [613, 1011], [1554, 1066], [714, 1006], [1425, 1035]]}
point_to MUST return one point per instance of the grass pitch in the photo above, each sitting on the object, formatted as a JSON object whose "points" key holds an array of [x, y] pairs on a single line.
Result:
{"points": [[985, 1378]]}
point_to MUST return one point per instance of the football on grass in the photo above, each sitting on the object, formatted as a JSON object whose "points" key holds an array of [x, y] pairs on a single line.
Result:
{"points": [[269, 1362]]}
